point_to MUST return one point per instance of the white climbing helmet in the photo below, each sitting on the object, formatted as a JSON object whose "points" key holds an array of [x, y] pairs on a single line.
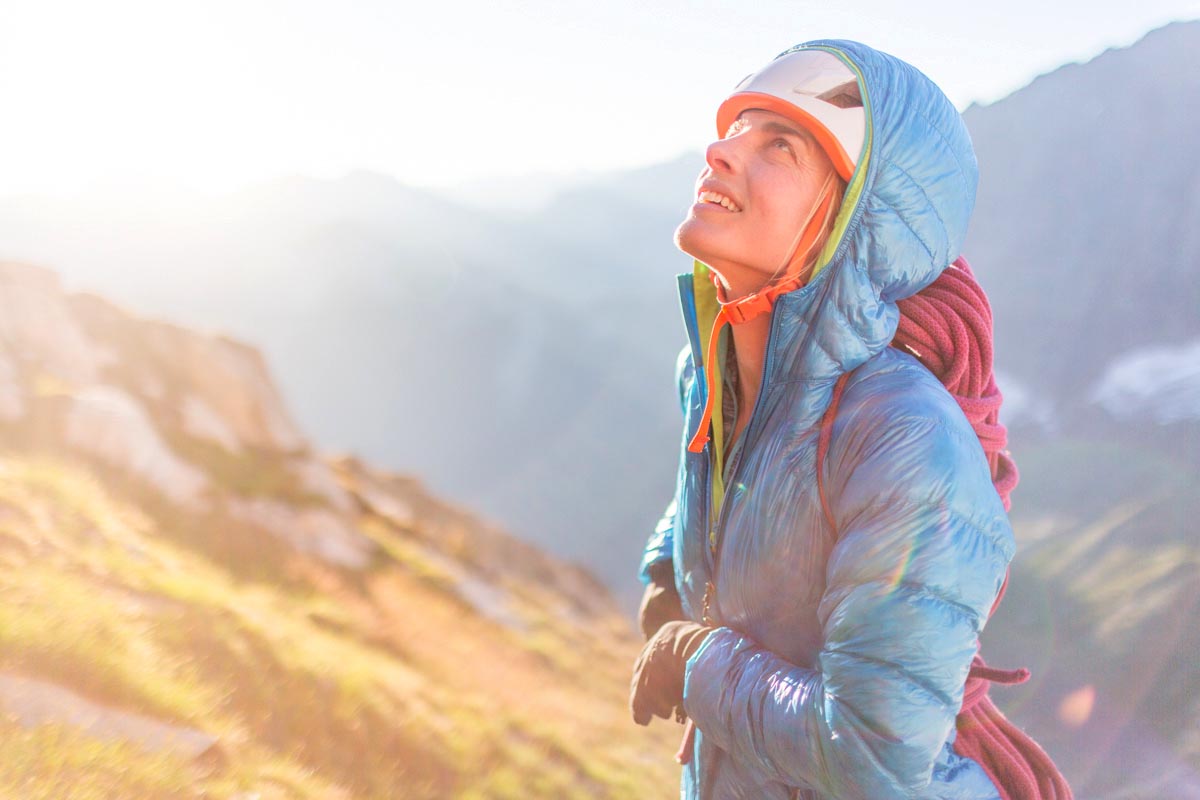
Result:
{"points": [[813, 88]]}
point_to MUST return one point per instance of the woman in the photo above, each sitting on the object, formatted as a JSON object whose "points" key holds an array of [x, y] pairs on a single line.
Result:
{"points": [[836, 542]]}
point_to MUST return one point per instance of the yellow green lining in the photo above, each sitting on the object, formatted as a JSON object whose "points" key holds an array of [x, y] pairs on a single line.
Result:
{"points": [[854, 190], [707, 308]]}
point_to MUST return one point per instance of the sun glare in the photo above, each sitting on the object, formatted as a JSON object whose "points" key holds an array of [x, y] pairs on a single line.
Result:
{"points": [[145, 91], [226, 92]]}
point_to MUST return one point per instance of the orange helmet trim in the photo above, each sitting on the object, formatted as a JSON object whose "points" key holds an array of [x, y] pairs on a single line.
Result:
{"points": [[742, 101]]}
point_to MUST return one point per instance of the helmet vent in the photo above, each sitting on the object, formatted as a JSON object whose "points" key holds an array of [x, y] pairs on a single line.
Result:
{"points": [[843, 96]]}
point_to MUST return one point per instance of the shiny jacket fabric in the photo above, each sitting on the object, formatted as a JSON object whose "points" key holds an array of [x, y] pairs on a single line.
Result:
{"points": [[838, 667]]}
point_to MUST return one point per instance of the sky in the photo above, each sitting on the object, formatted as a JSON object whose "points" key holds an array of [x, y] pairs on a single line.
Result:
{"points": [[214, 95]]}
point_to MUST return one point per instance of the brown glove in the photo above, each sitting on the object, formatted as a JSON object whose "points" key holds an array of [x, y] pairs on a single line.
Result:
{"points": [[657, 686], [660, 602]]}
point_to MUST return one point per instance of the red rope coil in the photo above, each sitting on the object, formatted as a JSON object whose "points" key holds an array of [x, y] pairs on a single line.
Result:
{"points": [[948, 327]]}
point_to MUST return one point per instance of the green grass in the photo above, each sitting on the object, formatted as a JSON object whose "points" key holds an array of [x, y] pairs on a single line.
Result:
{"points": [[52, 762], [225, 654], [247, 473], [312, 687], [60, 627]]}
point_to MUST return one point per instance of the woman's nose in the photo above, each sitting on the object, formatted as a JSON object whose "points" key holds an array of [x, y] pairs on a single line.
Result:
{"points": [[719, 156]]}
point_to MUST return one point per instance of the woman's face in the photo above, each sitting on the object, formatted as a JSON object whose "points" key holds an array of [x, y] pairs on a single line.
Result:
{"points": [[751, 200]]}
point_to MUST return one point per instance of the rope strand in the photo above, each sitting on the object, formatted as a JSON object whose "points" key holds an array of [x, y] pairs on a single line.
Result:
{"points": [[948, 327]]}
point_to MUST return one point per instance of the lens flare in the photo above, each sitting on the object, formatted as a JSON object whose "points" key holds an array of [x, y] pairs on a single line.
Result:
{"points": [[1076, 708]]}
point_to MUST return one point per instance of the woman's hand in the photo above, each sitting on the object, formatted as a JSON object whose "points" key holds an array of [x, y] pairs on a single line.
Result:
{"points": [[660, 603], [657, 686]]}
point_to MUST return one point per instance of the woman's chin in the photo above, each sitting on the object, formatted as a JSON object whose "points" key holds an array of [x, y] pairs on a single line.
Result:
{"points": [[681, 238], [690, 238]]}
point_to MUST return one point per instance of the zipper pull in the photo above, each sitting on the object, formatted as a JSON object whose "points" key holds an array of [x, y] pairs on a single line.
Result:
{"points": [[709, 592]]}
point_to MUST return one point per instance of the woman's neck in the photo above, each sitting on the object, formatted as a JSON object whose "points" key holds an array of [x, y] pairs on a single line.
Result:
{"points": [[750, 346], [750, 349]]}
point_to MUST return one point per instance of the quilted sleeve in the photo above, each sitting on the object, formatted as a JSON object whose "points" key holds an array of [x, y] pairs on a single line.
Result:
{"points": [[658, 546], [922, 550]]}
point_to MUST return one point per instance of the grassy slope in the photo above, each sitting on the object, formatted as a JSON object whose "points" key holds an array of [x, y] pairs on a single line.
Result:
{"points": [[318, 683]]}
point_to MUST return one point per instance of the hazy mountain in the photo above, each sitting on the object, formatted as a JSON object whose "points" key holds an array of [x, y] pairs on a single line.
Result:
{"points": [[196, 603], [1085, 228]]}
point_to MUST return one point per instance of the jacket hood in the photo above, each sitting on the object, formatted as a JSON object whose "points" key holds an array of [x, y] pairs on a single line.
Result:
{"points": [[902, 221], [919, 181]]}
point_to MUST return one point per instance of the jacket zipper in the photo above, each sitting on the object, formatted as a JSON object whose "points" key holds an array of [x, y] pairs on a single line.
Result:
{"points": [[716, 535]]}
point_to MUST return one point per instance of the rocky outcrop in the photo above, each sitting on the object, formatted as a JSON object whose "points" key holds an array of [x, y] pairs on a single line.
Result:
{"points": [[108, 423], [33, 702], [199, 420], [486, 559], [144, 397], [319, 531], [208, 384], [12, 400], [38, 325]]}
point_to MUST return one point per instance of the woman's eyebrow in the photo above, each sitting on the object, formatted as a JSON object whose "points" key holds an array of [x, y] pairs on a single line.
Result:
{"points": [[779, 128]]}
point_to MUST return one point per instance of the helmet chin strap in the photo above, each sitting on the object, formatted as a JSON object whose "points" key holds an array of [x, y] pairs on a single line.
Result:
{"points": [[755, 304], [744, 309]]}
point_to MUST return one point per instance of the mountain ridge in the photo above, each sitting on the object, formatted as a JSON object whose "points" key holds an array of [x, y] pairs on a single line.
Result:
{"points": [[196, 603]]}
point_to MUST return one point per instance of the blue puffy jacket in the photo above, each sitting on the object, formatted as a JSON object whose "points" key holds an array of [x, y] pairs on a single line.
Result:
{"points": [[839, 665]]}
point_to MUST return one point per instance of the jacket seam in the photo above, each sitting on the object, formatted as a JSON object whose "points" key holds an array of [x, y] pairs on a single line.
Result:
{"points": [[986, 532], [937, 131], [905, 218], [895, 667]]}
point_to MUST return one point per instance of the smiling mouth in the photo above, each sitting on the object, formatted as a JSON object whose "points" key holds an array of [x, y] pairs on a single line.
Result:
{"points": [[719, 199]]}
